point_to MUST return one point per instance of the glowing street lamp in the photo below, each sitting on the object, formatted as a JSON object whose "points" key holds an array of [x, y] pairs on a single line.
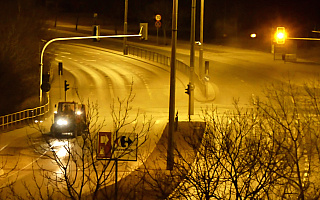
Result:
{"points": [[280, 36]]}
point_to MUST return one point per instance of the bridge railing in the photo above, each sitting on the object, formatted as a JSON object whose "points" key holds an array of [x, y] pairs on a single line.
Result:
{"points": [[158, 58], [11, 120], [18, 118], [165, 60]]}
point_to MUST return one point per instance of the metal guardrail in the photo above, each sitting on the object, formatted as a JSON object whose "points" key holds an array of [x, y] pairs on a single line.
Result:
{"points": [[11, 120], [158, 58], [165, 60]]}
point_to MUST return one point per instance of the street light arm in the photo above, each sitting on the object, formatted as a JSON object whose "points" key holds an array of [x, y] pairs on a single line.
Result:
{"points": [[83, 38], [141, 29], [76, 38], [303, 38]]}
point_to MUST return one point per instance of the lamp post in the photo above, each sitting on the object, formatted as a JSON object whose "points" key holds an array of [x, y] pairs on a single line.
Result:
{"points": [[170, 157], [125, 27], [192, 56], [201, 71]]}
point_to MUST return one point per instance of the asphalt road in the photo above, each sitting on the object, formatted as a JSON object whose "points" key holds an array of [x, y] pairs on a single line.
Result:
{"points": [[100, 74], [101, 77]]}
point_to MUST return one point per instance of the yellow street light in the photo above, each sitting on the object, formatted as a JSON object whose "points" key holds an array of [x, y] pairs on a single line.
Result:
{"points": [[253, 35], [280, 36]]}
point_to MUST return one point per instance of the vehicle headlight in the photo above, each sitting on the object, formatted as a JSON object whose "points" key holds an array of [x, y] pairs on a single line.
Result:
{"points": [[62, 122]]}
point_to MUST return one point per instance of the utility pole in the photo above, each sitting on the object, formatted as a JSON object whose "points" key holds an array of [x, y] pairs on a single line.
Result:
{"points": [[125, 27], [170, 156], [201, 70], [192, 42]]}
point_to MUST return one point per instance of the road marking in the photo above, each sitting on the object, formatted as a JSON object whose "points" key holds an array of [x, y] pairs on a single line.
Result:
{"points": [[4, 147], [63, 52], [27, 165]]}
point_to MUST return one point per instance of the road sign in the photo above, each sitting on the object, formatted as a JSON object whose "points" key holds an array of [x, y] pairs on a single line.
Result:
{"points": [[45, 87], [120, 146], [158, 17], [158, 24], [104, 145]]}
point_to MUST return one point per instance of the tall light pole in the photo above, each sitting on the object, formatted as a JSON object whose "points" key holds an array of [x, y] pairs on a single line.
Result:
{"points": [[125, 27], [192, 42], [201, 71], [170, 157]]}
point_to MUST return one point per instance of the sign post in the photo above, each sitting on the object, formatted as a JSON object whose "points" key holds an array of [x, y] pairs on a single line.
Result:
{"points": [[117, 147], [158, 25]]}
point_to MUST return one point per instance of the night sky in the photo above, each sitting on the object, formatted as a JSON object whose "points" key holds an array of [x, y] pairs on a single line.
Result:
{"points": [[233, 18]]}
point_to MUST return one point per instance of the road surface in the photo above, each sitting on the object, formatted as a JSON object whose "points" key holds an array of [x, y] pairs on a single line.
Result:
{"points": [[100, 77], [101, 74]]}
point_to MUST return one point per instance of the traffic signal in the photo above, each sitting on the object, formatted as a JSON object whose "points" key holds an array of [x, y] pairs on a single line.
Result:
{"points": [[60, 68], [96, 32], [144, 31], [45, 83], [187, 90], [66, 85], [280, 36]]}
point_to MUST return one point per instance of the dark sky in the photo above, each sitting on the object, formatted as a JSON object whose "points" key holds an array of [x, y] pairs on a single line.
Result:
{"points": [[234, 17]]}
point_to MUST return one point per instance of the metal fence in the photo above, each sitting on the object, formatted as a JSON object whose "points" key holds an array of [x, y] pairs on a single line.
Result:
{"points": [[11, 120], [158, 58], [21, 117], [165, 60]]}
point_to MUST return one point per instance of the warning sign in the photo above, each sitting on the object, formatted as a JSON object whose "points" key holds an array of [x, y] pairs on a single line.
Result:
{"points": [[157, 24]]}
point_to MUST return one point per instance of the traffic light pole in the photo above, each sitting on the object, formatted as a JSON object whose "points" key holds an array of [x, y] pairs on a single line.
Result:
{"points": [[192, 57], [75, 38]]}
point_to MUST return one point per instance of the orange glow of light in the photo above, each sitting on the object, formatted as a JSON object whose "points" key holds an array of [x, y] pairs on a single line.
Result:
{"points": [[280, 35], [253, 35]]}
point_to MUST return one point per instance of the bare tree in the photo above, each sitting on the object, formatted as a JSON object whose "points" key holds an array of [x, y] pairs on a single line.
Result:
{"points": [[6, 170], [292, 116], [269, 150], [75, 172], [234, 161]]}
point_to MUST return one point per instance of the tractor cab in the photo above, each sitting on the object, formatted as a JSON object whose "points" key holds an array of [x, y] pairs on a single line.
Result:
{"points": [[69, 119]]}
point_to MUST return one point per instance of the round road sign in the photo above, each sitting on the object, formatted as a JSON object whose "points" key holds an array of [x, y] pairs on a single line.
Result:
{"points": [[157, 24], [45, 87], [158, 17]]}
